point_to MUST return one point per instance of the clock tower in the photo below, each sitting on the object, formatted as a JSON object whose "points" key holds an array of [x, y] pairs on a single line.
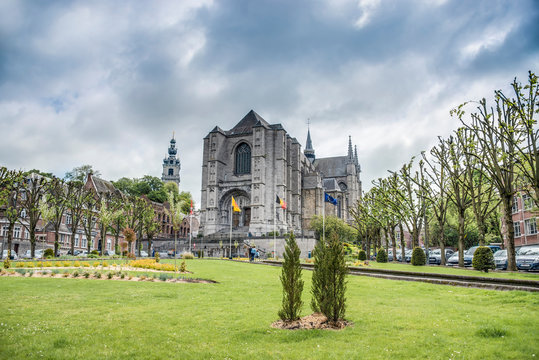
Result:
{"points": [[171, 164]]}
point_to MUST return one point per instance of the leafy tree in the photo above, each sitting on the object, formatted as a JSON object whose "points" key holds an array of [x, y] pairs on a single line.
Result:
{"points": [[291, 281], [106, 215], [89, 217], [333, 225], [174, 210], [329, 279], [129, 236], [81, 172], [151, 225]]}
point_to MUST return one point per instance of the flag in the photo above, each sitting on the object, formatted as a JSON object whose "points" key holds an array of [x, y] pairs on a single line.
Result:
{"points": [[280, 201], [330, 199], [235, 206], [191, 208]]}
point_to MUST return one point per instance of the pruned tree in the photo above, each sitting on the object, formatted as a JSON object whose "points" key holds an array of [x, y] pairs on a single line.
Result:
{"points": [[151, 225], [291, 281], [11, 193], [174, 210], [89, 218], [494, 129], [54, 205], [33, 188], [75, 208]]}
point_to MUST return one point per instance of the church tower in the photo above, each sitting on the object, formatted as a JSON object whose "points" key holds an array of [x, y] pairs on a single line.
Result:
{"points": [[171, 164]]}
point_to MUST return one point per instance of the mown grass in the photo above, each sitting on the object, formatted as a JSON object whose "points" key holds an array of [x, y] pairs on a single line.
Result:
{"points": [[81, 319]]}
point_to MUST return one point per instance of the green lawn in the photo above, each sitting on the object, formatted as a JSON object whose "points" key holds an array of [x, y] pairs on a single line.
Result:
{"points": [[44, 318], [455, 271]]}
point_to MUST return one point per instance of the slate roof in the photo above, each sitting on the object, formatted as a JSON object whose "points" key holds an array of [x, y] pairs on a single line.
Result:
{"points": [[331, 185], [331, 166], [245, 126]]}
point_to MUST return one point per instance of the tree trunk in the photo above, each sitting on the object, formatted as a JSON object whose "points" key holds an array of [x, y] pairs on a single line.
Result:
{"points": [[393, 243], [32, 242], [103, 236], [10, 239], [56, 242], [442, 245], [461, 237], [403, 243], [507, 204], [73, 240]]}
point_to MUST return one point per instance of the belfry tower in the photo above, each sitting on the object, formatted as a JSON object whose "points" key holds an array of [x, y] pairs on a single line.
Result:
{"points": [[171, 164]]}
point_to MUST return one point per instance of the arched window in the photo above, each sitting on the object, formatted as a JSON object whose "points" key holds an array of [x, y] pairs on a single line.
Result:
{"points": [[170, 172], [243, 159]]}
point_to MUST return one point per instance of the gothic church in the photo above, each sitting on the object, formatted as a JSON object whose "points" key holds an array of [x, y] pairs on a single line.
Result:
{"points": [[255, 162]]}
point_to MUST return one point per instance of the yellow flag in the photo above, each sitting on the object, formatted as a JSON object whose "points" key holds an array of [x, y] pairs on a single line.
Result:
{"points": [[235, 206]]}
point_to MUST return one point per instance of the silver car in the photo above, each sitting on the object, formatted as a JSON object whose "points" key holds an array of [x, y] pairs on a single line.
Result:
{"points": [[500, 259]]}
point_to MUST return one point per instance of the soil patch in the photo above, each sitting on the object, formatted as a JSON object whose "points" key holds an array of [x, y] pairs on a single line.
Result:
{"points": [[313, 321]]}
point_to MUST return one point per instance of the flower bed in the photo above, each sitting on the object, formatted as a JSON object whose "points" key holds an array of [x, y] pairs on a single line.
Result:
{"points": [[152, 264]]}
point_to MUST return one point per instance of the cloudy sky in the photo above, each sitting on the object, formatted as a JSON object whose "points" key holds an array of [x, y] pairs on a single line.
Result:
{"points": [[107, 82]]}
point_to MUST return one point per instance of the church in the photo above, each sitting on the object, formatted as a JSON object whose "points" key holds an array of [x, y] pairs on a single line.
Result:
{"points": [[258, 163]]}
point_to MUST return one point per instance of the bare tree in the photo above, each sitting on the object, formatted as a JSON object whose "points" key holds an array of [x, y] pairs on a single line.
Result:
{"points": [[33, 189]]}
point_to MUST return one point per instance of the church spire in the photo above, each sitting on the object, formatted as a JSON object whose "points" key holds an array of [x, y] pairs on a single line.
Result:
{"points": [[309, 151], [355, 155], [350, 151]]}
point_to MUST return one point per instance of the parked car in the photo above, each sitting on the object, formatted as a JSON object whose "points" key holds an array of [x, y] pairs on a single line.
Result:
{"points": [[408, 255], [435, 256], [75, 252], [500, 259], [468, 255], [109, 253], [163, 254], [527, 258], [399, 254], [83, 253], [14, 255], [38, 254], [143, 253]]}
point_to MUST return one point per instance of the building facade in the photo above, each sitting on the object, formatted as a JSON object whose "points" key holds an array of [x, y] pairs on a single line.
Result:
{"points": [[524, 220], [255, 162]]}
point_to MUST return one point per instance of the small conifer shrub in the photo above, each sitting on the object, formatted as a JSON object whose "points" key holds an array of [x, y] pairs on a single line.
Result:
{"points": [[381, 256], [483, 259], [362, 255], [183, 267], [48, 253], [157, 257], [291, 281], [418, 257]]}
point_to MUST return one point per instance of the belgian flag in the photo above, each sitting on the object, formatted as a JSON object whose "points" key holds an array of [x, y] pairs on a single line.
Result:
{"points": [[280, 202]]}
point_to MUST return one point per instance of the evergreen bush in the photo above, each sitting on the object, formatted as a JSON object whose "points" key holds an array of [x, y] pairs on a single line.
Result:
{"points": [[328, 281], [381, 256], [483, 259], [362, 255], [183, 267], [94, 252], [291, 281], [7, 263], [48, 253], [418, 257], [157, 257]]}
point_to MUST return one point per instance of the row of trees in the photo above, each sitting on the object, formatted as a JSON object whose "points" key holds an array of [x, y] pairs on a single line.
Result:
{"points": [[492, 156], [28, 197]]}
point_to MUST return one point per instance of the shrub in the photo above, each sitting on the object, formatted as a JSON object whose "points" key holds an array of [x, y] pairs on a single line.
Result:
{"points": [[418, 257], [58, 263], [55, 271], [47, 264], [157, 257], [362, 255], [183, 267], [188, 255], [86, 264], [131, 256], [92, 256], [67, 263], [122, 275], [381, 256], [86, 274], [96, 264], [105, 264], [109, 275], [76, 264], [66, 274], [94, 252], [19, 265], [164, 277], [75, 273], [142, 277], [483, 260], [97, 275], [328, 279], [21, 271], [48, 253], [30, 273], [30, 264], [7, 263], [39, 264], [151, 264], [291, 281]]}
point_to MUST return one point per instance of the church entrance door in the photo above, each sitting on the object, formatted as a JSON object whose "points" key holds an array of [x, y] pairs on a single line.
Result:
{"points": [[236, 219], [247, 219]]}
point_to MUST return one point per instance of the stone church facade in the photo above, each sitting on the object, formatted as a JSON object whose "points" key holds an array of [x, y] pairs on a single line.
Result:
{"points": [[255, 162]]}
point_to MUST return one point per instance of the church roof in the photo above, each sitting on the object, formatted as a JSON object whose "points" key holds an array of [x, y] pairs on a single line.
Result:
{"points": [[331, 185], [331, 166], [246, 124]]}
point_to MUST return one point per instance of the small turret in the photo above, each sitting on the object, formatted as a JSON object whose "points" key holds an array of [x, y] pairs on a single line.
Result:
{"points": [[350, 159], [309, 151]]}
